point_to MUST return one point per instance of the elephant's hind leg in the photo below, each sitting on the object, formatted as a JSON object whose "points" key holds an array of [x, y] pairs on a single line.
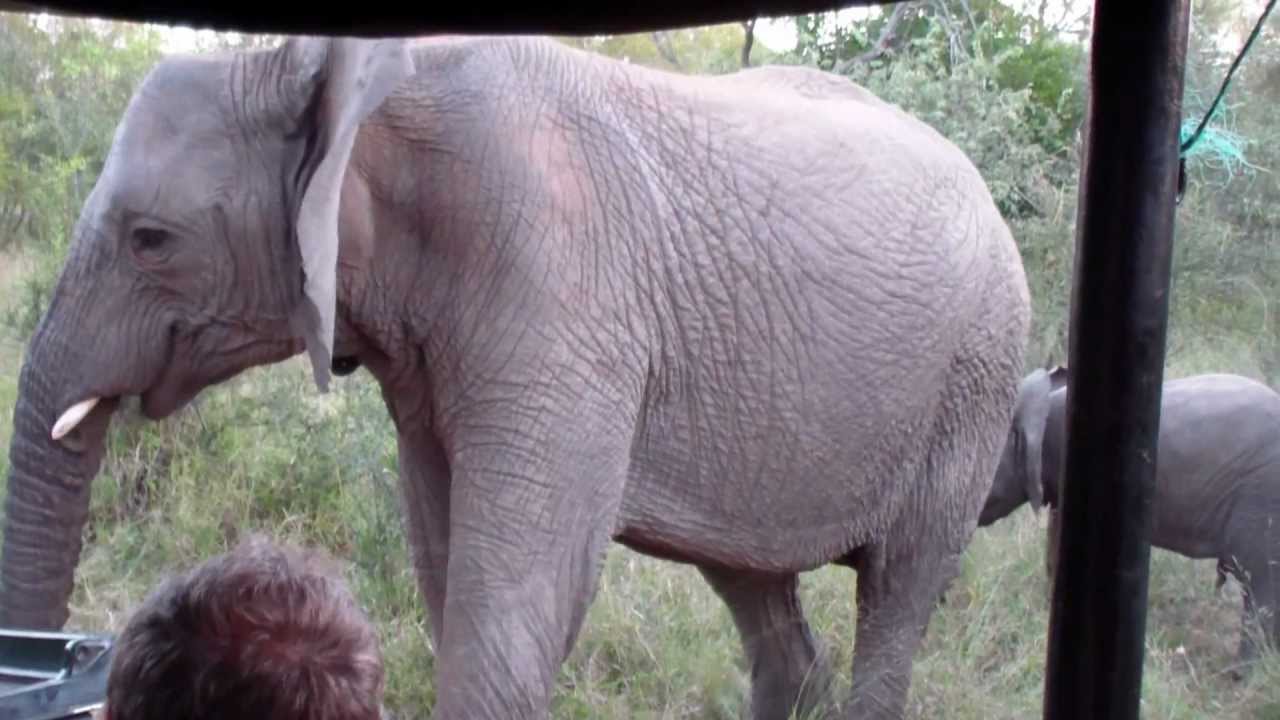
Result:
{"points": [[1250, 555], [896, 596], [1260, 626], [902, 573], [787, 669]]}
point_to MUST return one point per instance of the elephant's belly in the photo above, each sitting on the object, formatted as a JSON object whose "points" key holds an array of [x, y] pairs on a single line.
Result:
{"points": [[1191, 531], [770, 491], [788, 417], [1194, 511]]}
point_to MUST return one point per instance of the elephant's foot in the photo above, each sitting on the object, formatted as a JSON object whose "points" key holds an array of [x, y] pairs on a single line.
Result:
{"points": [[1240, 672], [794, 694], [1257, 624], [789, 671], [1246, 657]]}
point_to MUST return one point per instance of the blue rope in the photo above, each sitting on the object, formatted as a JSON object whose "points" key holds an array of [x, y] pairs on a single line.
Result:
{"points": [[1189, 142]]}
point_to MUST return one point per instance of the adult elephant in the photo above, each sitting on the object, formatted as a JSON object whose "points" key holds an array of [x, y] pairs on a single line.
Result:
{"points": [[753, 325]]}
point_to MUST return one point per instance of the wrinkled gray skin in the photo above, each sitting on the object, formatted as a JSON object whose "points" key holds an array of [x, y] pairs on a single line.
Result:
{"points": [[1217, 479], [758, 323]]}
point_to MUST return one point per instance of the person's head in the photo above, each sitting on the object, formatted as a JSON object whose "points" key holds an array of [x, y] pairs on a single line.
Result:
{"points": [[263, 631]]}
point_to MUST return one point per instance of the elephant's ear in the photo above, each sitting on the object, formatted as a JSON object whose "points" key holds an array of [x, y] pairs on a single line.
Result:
{"points": [[1031, 414], [1058, 377], [344, 80]]}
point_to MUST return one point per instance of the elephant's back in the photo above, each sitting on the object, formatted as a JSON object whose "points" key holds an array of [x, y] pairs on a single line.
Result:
{"points": [[1204, 410], [1219, 455], [881, 189], [842, 177]]}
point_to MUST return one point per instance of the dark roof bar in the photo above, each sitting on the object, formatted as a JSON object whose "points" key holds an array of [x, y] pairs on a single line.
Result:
{"points": [[394, 18], [1119, 315]]}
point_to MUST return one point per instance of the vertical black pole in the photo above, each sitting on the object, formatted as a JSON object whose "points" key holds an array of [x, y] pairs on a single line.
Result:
{"points": [[1117, 351]]}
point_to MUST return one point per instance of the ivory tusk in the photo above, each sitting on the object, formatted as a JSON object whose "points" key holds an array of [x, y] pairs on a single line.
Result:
{"points": [[72, 417]]}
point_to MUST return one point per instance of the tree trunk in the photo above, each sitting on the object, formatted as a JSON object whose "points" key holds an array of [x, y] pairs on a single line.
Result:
{"points": [[749, 29], [662, 41], [888, 37], [1055, 537]]}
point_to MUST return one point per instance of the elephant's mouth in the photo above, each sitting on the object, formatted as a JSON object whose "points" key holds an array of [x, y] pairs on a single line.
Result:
{"points": [[182, 378], [178, 380], [166, 397], [162, 398], [168, 393]]}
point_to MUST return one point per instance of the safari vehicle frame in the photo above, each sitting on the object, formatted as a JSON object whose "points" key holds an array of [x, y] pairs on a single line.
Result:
{"points": [[1119, 307], [52, 675]]}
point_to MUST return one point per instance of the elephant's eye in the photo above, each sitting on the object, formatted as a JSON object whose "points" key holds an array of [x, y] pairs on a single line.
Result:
{"points": [[149, 238]]}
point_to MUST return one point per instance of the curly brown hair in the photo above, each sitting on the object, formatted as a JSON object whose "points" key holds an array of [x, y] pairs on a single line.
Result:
{"points": [[264, 631]]}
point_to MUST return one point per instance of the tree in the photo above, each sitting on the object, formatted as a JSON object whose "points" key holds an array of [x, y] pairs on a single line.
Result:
{"points": [[64, 83], [713, 49], [1029, 53], [749, 39]]}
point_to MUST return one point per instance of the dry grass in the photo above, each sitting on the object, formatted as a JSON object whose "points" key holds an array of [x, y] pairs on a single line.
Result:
{"points": [[11, 266]]}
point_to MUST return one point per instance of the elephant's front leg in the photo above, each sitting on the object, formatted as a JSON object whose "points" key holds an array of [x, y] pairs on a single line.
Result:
{"points": [[424, 476], [1054, 542], [534, 502]]}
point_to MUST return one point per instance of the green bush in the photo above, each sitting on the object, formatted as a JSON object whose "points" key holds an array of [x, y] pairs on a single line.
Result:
{"points": [[1035, 188]]}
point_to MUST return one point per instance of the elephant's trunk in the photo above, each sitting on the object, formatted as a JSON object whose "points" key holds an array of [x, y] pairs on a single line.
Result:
{"points": [[48, 486]]}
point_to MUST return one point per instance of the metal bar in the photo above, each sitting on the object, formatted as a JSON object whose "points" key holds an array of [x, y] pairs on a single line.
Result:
{"points": [[396, 18], [1117, 352]]}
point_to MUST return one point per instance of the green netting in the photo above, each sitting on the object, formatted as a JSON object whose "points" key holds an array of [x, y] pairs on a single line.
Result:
{"points": [[1216, 147], [1226, 147]]}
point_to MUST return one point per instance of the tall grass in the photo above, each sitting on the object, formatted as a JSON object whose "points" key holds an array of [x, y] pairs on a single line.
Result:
{"points": [[265, 452]]}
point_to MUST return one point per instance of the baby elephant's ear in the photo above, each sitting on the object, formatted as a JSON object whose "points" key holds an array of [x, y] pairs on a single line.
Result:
{"points": [[1058, 376], [1031, 414], [344, 80]]}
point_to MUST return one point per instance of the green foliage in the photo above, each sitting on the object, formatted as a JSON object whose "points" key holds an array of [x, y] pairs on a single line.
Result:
{"points": [[712, 49], [822, 42], [1226, 260], [62, 90], [63, 86], [942, 35], [1033, 186], [1052, 71]]}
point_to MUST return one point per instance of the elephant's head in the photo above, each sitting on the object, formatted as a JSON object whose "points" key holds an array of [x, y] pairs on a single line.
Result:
{"points": [[1019, 477], [208, 245]]}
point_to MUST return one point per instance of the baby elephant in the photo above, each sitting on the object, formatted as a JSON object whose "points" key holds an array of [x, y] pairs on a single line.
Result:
{"points": [[1217, 479]]}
